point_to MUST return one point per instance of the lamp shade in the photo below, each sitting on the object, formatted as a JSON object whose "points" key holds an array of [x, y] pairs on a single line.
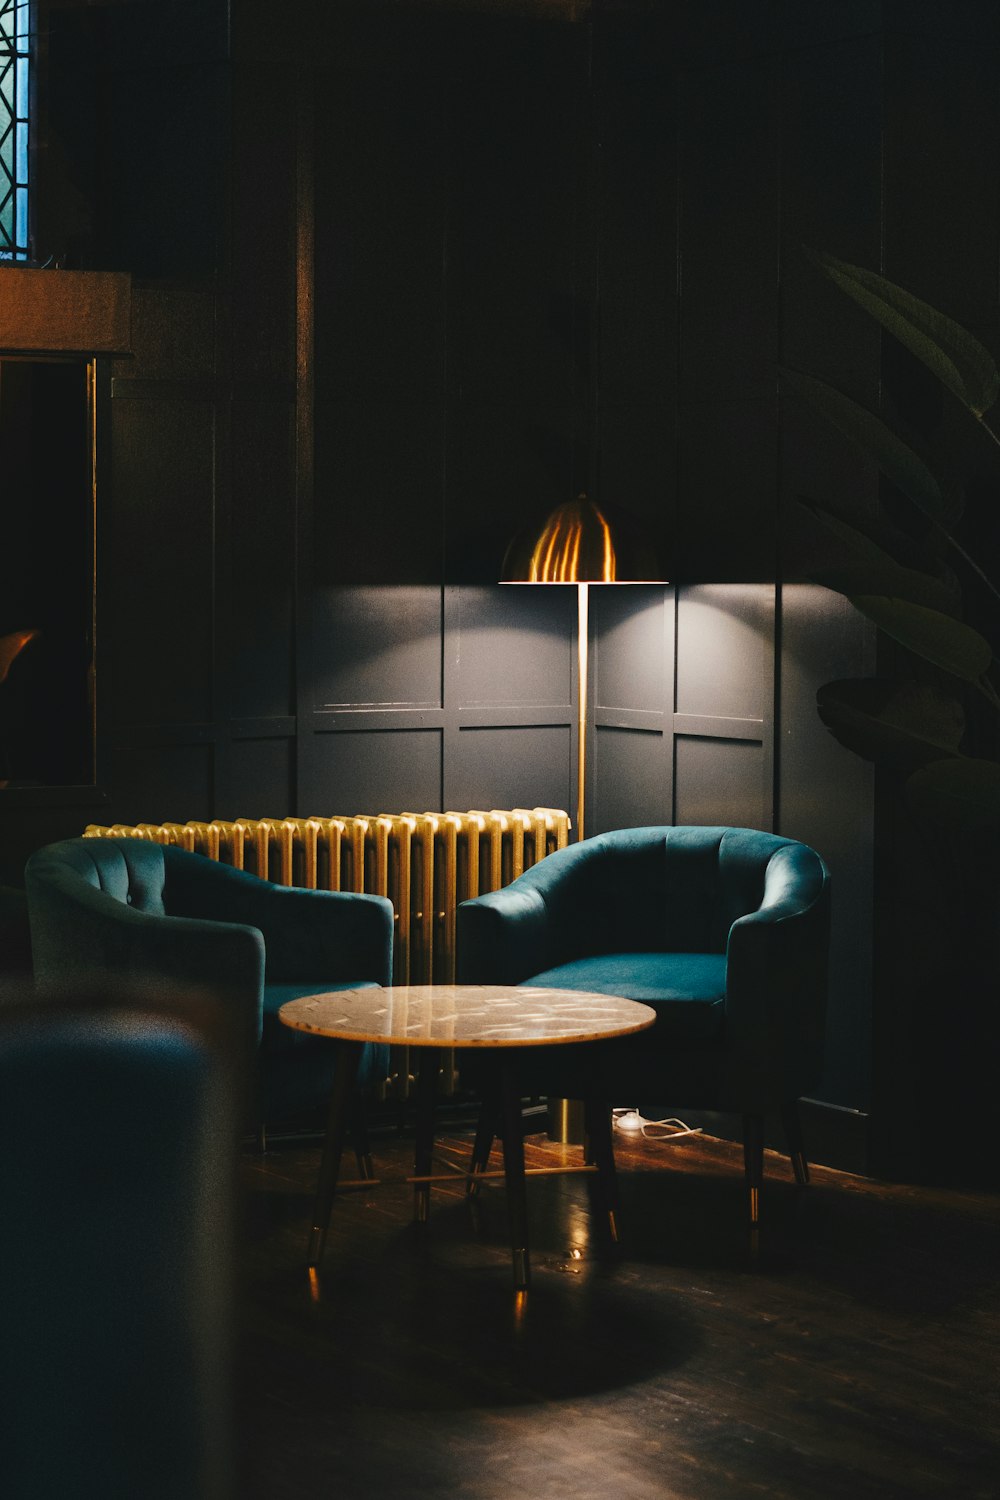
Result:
{"points": [[581, 542]]}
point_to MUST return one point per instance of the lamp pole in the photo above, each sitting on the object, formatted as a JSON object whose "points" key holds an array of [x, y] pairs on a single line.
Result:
{"points": [[582, 643]]}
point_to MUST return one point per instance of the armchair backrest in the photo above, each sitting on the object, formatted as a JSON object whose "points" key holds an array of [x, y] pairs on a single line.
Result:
{"points": [[102, 907], [667, 889], [132, 871]]}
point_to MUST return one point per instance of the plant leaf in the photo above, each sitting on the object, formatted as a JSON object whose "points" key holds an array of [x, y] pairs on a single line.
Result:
{"points": [[962, 796], [957, 358], [904, 725], [860, 542], [873, 539], [871, 435], [888, 578], [928, 633]]}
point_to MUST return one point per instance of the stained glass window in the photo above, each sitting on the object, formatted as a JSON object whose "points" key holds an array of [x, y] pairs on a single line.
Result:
{"points": [[14, 83]]}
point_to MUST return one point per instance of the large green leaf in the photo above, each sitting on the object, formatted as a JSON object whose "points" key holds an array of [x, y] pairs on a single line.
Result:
{"points": [[900, 724], [873, 539], [961, 796], [869, 433], [957, 358], [888, 578], [861, 543], [928, 633]]}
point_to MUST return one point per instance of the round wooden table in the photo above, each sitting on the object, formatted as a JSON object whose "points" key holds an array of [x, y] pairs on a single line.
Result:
{"points": [[502, 1019]]}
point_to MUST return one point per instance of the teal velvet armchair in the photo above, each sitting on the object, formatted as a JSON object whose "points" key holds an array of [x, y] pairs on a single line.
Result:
{"points": [[723, 931], [136, 912], [117, 1241]]}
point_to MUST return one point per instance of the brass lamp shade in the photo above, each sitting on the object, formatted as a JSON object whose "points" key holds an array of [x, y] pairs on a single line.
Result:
{"points": [[581, 542]]}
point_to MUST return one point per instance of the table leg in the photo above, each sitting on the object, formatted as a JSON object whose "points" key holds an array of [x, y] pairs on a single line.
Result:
{"points": [[512, 1130], [601, 1148], [427, 1076], [345, 1075]]}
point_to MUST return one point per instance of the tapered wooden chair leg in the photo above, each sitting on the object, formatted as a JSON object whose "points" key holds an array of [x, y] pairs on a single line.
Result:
{"points": [[598, 1129], [430, 1063], [482, 1145], [344, 1079], [512, 1130], [753, 1162], [362, 1148]]}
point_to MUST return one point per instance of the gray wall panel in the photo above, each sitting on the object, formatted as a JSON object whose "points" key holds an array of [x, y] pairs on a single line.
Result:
{"points": [[373, 771], [628, 783], [527, 766], [514, 645], [263, 265], [162, 783], [377, 646], [262, 580], [720, 781], [725, 651], [157, 623], [379, 489], [632, 634], [259, 781]]}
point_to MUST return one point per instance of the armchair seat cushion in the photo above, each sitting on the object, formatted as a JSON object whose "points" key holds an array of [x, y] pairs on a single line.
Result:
{"points": [[687, 990]]}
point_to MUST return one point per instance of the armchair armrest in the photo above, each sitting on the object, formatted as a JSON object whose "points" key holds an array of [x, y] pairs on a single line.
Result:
{"points": [[777, 970], [551, 913], [503, 937], [308, 935]]}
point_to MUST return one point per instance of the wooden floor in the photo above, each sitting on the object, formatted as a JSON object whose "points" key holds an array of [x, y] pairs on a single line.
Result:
{"points": [[858, 1359]]}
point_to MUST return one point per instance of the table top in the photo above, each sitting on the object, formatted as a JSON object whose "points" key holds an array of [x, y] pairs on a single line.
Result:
{"points": [[466, 1015]]}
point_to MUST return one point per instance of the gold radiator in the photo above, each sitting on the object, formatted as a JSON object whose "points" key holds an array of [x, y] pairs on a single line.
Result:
{"points": [[426, 863]]}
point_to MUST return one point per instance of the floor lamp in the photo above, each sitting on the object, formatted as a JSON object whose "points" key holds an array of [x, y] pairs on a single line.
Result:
{"points": [[580, 542]]}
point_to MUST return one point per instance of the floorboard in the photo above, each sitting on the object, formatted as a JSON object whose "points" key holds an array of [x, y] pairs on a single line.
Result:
{"points": [[856, 1357]]}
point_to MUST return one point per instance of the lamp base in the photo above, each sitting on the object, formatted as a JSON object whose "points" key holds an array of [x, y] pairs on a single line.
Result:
{"points": [[565, 1121]]}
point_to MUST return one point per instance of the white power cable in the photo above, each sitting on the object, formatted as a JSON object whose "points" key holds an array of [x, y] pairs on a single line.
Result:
{"points": [[631, 1122]]}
